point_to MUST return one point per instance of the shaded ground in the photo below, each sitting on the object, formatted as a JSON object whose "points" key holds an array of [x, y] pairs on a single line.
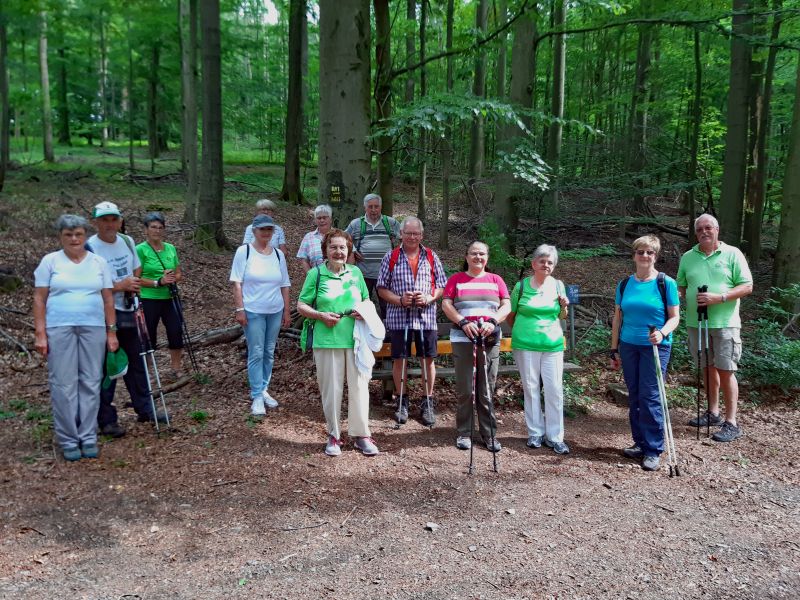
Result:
{"points": [[228, 507]]}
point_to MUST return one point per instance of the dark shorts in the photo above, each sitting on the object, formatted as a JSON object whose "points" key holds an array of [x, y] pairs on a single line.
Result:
{"points": [[429, 337], [164, 311]]}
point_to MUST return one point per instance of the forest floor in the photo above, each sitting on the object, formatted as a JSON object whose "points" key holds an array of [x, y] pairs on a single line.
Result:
{"points": [[226, 506]]}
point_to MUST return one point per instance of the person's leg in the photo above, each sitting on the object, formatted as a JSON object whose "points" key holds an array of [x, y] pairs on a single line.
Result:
{"points": [[427, 342], [91, 346], [730, 390], [357, 397], [400, 343], [528, 363], [728, 352], [629, 356], [651, 414], [462, 362], [136, 377], [255, 332], [62, 367], [272, 329], [172, 323], [485, 398], [330, 363], [152, 315], [552, 369]]}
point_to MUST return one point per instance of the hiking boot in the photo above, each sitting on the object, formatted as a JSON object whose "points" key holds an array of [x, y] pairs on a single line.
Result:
{"points": [[633, 452], [708, 419], [426, 413], [401, 414], [558, 447], [269, 401], [148, 418], [534, 441], [651, 463], [463, 442], [257, 407], [366, 445], [72, 454], [727, 433], [492, 445], [115, 430], [334, 446], [90, 451]]}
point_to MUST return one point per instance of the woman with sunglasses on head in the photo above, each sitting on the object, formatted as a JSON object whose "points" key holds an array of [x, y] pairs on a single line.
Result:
{"points": [[647, 299]]}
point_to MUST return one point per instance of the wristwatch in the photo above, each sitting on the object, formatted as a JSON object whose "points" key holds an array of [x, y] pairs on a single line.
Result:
{"points": [[493, 321], [724, 297], [613, 354], [156, 282], [112, 327]]}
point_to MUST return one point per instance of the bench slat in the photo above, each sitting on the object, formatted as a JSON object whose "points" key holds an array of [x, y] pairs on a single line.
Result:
{"points": [[386, 374], [443, 347]]}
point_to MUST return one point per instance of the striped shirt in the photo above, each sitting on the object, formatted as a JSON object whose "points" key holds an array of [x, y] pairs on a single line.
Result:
{"points": [[474, 298], [376, 243]]}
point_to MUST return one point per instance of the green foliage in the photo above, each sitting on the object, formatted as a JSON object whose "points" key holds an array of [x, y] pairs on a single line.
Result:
{"points": [[500, 261], [587, 253], [525, 164], [199, 416], [768, 357], [575, 398], [595, 340]]}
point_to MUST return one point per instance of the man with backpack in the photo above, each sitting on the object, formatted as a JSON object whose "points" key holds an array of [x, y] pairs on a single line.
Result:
{"points": [[411, 279], [373, 235]]}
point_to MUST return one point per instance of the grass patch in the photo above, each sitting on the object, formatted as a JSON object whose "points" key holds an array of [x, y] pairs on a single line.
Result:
{"points": [[587, 253], [199, 416]]}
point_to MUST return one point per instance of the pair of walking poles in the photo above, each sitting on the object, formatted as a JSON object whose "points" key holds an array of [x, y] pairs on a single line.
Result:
{"points": [[404, 365], [146, 351], [177, 304], [702, 317], [669, 439], [479, 339]]}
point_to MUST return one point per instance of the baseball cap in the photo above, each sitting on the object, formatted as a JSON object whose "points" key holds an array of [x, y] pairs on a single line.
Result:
{"points": [[106, 208], [263, 221]]}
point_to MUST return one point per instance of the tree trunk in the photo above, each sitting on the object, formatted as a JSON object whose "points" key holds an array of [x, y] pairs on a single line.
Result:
{"points": [[131, 161], [411, 20], [697, 118], [502, 42], [447, 155], [557, 107], [4, 120], [188, 28], [477, 142], [291, 191], [757, 181], [152, 105], [422, 174], [786, 268], [383, 101], [103, 82], [735, 163], [63, 102], [47, 117], [209, 209], [344, 67]]}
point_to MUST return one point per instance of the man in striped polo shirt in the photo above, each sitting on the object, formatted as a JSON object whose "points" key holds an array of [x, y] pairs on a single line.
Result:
{"points": [[373, 235]]}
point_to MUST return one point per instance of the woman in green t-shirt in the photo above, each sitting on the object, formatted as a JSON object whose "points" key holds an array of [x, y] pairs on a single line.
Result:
{"points": [[329, 293], [160, 271], [537, 304]]}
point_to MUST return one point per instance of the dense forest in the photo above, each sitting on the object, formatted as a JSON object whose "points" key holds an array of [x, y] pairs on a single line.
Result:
{"points": [[510, 105]]}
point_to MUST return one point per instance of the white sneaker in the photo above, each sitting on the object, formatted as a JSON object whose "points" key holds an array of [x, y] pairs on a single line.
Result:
{"points": [[269, 400], [333, 447], [257, 407]]}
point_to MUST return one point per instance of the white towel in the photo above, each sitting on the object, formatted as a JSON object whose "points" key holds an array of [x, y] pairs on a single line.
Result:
{"points": [[368, 335]]}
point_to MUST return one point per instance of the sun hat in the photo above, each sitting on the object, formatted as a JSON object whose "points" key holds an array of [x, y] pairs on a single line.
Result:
{"points": [[106, 208], [116, 366], [263, 221]]}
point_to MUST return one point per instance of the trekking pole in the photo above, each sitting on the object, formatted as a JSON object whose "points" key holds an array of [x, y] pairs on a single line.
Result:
{"points": [[145, 350], [488, 396], [702, 315], [177, 304], [669, 439], [423, 363], [474, 406], [399, 414]]}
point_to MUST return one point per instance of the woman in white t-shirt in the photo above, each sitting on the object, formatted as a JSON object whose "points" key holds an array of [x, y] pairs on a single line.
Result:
{"points": [[73, 313], [261, 296]]}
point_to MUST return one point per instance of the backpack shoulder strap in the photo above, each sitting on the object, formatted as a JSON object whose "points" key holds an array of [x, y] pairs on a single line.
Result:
{"points": [[622, 285], [362, 229], [519, 291], [661, 282], [316, 288], [388, 228]]}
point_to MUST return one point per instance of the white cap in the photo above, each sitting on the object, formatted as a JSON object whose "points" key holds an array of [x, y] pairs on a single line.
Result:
{"points": [[106, 208]]}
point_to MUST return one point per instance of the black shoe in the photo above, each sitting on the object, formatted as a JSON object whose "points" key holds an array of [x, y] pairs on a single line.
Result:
{"points": [[426, 414], [492, 445], [727, 433], [115, 430], [401, 414], [708, 419], [633, 452]]}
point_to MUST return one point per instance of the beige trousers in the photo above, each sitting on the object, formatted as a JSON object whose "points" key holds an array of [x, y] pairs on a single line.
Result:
{"points": [[332, 365]]}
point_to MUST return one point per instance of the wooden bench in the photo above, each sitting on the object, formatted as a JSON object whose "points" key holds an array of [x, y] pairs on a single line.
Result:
{"points": [[444, 348]]}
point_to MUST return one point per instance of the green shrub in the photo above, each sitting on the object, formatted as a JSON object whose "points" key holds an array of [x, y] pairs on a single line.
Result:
{"points": [[769, 357]]}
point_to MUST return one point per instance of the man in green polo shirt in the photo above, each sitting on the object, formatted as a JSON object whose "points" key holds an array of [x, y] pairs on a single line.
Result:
{"points": [[724, 270]]}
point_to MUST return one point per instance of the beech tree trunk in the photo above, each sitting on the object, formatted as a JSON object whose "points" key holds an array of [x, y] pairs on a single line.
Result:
{"points": [[478, 141], [291, 191], [103, 82], [786, 268], [411, 20], [63, 103], [344, 116], [694, 144], [735, 163], [383, 101], [4, 117], [557, 107], [188, 29], [209, 208], [422, 173], [44, 73], [447, 155], [152, 104]]}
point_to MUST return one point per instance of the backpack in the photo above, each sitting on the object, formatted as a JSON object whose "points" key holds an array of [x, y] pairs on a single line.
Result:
{"points": [[559, 288], [126, 238], [363, 231], [396, 255], [661, 283]]}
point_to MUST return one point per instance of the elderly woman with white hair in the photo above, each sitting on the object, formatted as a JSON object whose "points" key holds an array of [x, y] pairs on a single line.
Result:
{"points": [[74, 320], [310, 252], [269, 208], [537, 304]]}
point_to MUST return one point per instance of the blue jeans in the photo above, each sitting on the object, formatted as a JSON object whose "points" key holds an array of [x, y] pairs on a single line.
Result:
{"points": [[645, 414], [261, 332]]}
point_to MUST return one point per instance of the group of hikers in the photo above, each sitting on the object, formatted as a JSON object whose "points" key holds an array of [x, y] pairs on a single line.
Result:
{"points": [[87, 295]]}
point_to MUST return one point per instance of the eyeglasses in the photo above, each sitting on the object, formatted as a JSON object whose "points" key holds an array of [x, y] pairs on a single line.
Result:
{"points": [[411, 233], [476, 254], [647, 252], [706, 228], [156, 227]]}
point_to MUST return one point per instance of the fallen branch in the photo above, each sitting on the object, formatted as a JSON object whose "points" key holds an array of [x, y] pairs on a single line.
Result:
{"points": [[15, 342]]}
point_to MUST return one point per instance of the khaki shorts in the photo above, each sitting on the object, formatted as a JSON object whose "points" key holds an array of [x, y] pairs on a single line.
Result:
{"points": [[725, 347]]}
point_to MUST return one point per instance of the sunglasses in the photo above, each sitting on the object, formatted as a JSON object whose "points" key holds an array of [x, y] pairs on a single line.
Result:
{"points": [[645, 252]]}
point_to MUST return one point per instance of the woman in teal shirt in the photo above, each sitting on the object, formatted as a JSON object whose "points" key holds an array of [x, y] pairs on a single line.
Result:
{"points": [[329, 293], [160, 271], [537, 304]]}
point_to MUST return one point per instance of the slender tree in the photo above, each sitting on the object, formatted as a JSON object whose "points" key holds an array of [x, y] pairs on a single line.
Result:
{"points": [[694, 144], [411, 21], [383, 100], [477, 145], [4, 123], [188, 29], [422, 169], [44, 73], [64, 136], [344, 67], [209, 207], [447, 154], [554, 136], [291, 191]]}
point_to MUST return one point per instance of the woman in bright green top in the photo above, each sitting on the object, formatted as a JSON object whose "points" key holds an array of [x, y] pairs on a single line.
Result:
{"points": [[329, 293], [537, 304], [160, 271]]}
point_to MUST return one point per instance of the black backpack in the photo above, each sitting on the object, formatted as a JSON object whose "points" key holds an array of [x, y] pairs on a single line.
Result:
{"points": [[661, 282]]}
